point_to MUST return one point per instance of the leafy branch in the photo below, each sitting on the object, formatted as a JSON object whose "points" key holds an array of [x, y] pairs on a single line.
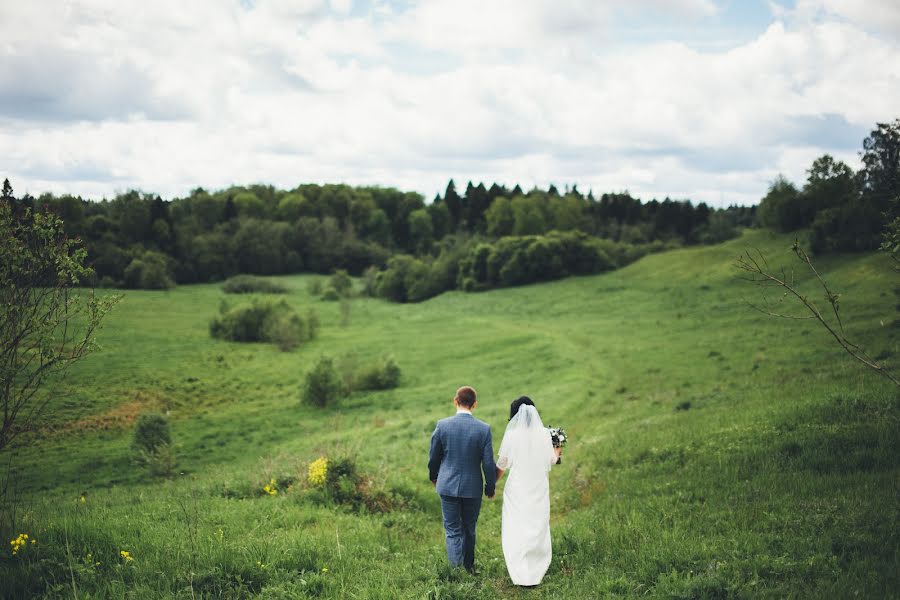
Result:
{"points": [[46, 323], [761, 274]]}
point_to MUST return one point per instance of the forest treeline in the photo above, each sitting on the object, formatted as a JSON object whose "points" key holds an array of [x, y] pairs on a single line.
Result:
{"points": [[844, 210], [139, 240], [474, 239]]}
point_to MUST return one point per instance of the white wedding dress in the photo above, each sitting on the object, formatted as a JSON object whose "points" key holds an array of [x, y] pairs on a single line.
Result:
{"points": [[527, 454]]}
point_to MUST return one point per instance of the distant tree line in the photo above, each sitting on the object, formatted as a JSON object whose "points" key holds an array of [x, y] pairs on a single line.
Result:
{"points": [[844, 210], [139, 240]]}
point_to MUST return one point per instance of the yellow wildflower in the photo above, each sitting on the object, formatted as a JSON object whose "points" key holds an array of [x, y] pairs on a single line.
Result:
{"points": [[126, 556], [271, 489], [21, 540], [318, 471]]}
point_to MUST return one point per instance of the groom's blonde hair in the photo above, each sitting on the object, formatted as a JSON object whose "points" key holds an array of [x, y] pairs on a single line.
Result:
{"points": [[465, 396]]}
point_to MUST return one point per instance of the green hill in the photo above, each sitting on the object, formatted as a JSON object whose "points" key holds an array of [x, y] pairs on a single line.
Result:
{"points": [[714, 451]]}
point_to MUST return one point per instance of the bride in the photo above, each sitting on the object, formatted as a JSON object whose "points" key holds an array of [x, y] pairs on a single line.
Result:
{"points": [[527, 453]]}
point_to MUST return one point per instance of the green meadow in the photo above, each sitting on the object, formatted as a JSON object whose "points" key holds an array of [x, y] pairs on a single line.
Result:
{"points": [[714, 452]]}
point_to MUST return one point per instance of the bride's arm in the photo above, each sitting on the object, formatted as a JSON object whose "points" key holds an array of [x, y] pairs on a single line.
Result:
{"points": [[500, 473]]}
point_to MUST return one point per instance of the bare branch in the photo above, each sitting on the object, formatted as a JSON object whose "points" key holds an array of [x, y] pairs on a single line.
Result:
{"points": [[761, 274]]}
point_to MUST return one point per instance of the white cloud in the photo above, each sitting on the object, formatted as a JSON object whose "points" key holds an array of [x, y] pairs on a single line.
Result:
{"points": [[878, 15], [101, 96]]}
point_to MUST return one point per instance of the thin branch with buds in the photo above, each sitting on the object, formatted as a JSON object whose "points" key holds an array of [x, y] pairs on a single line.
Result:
{"points": [[759, 273]]}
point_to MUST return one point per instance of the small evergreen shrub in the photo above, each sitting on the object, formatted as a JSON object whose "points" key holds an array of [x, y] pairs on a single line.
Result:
{"points": [[161, 462], [150, 432], [249, 284], [152, 444], [323, 386]]}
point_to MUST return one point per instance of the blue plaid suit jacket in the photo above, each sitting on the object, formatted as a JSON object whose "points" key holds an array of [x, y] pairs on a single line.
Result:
{"points": [[461, 450]]}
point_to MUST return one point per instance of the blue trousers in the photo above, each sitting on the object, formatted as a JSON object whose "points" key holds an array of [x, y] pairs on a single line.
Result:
{"points": [[460, 517]]}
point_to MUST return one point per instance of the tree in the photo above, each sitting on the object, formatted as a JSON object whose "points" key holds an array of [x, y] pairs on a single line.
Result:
{"points": [[7, 194], [421, 231], [772, 208], [881, 157], [46, 325], [292, 207], [500, 218], [440, 219], [454, 204]]}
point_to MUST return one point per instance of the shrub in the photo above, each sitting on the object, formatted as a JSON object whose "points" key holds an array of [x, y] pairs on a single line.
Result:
{"points": [[341, 283], [406, 279], [161, 461], [370, 280], [322, 386], [264, 321], [518, 260], [150, 432], [153, 444], [248, 284], [314, 287], [340, 481], [382, 376], [330, 294], [150, 271], [286, 330]]}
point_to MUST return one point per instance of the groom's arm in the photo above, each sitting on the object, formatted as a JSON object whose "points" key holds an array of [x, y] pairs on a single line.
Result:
{"points": [[435, 456], [488, 466]]}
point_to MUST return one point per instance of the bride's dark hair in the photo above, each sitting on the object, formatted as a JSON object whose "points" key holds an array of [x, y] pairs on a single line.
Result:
{"points": [[514, 407]]}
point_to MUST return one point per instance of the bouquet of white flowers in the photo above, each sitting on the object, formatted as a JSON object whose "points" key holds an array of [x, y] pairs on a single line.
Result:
{"points": [[559, 439]]}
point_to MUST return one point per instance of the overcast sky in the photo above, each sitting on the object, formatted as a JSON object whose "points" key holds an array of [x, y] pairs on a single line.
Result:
{"points": [[698, 99]]}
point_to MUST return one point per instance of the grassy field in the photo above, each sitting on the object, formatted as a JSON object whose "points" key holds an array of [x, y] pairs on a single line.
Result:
{"points": [[714, 451]]}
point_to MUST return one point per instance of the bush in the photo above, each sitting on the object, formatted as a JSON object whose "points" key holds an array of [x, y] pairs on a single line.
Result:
{"points": [[341, 283], [249, 284], [518, 260], [382, 376], [323, 386], [314, 287], [330, 294], [153, 444], [370, 280], [285, 330], [161, 462], [151, 432], [340, 481], [150, 271], [406, 279], [264, 321]]}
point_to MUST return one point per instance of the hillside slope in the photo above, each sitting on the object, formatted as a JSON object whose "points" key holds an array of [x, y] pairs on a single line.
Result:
{"points": [[715, 451]]}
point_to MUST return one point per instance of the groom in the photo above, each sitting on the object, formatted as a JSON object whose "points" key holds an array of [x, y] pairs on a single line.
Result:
{"points": [[461, 449]]}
